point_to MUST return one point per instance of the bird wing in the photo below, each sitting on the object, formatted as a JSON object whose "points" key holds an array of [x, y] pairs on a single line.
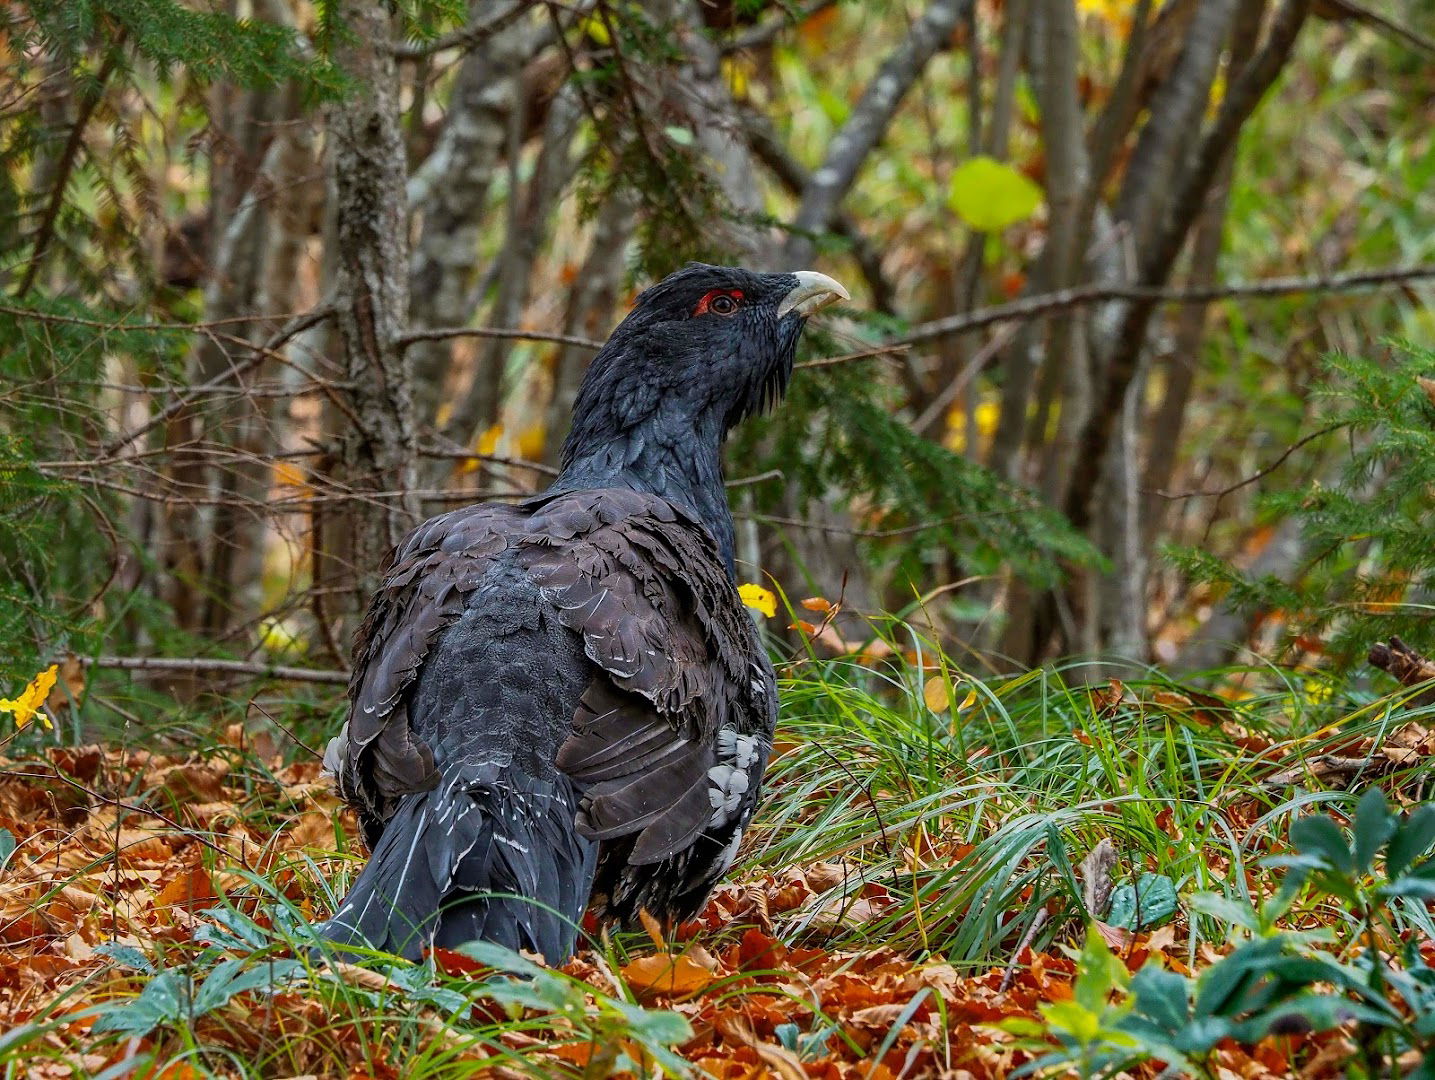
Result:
{"points": [[672, 734], [671, 737], [425, 585]]}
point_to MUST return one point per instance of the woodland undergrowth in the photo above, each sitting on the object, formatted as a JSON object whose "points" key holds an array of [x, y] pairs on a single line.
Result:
{"points": [[954, 873]]}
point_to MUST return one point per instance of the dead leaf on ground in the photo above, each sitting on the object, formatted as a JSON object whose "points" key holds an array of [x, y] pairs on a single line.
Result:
{"points": [[665, 973], [192, 890]]}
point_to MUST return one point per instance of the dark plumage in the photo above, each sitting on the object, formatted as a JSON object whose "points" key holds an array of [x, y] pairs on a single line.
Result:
{"points": [[564, 701]]}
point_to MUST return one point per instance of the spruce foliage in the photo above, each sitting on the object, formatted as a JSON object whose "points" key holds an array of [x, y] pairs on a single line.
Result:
{"points": [[1369, 564]]}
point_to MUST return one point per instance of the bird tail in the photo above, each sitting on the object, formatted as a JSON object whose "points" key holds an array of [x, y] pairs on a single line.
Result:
{"points": [[489, 854]]}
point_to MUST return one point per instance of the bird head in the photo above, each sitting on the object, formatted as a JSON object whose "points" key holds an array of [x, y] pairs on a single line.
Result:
{"points": [[701, 350]]}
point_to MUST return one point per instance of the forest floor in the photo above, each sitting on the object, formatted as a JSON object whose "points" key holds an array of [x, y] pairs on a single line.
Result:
{"points": [[153, 914]]}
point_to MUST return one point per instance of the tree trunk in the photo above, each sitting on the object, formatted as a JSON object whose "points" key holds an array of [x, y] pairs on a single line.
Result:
{"points": [[375, 445], [449, 193]]}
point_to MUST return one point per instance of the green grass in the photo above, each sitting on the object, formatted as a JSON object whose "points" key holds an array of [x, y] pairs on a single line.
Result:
{"points": [[1029, 778]]}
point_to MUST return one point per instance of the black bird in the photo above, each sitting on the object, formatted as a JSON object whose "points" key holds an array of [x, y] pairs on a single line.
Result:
{"points": [[563, 702]]}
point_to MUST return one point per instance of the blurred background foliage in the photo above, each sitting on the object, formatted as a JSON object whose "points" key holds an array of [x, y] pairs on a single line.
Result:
{"points": [[183, 427]]}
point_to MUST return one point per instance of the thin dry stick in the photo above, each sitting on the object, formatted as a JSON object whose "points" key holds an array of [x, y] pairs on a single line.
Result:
{"points": [[444, 333], [1220, 493], [261, 352], [316, 755], [874, 534], [1323, 765], [845, 358], [201, 665]]}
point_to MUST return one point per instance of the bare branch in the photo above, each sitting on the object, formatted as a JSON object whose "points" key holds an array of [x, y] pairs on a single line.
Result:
{"points": [[755, 37], [204, 665], [468, 37], [293, 328], [445, 333], [1221, 493], [1028, 308], [847, 358], [1381, 24], [864, 128], [1097, 294], [768, 148], [1407, 666]]}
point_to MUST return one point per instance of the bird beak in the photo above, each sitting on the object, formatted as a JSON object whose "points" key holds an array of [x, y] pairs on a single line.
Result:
{"points": [[812, 292]]}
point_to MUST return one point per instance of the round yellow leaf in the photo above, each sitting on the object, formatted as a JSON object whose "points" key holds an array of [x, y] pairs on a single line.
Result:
{"points": [[936, 694], [758, 598], [989, 195]]}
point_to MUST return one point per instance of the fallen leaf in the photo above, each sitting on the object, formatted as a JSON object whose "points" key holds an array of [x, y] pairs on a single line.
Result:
{"points": [[666, 973], [192, 890], [193, 781], [1114, 936], [71, 684], [845, 913], [936, 694], [825, 875], [653, 928]]}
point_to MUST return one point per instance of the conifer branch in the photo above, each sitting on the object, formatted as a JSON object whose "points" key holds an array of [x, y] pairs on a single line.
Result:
{"points": [[66, 165]]}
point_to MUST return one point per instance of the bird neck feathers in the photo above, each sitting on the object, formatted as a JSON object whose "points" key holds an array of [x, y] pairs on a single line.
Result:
{"points": [[679, 460]]}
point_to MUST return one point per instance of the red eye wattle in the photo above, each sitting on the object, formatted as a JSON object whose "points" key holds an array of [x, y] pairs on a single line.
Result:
{"points": [[719, 302]]}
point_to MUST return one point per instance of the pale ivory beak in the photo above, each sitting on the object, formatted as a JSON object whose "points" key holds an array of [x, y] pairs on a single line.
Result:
{"points": [[813, 292]]}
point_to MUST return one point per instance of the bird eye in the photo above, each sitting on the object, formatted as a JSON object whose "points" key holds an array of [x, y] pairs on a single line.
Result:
{"points": [[718, 302]]}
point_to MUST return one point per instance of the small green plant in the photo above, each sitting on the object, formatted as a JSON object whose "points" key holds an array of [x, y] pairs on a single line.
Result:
{"points": [[1089, 1028], [240, 955], [1382, 964], [1279, 981]]}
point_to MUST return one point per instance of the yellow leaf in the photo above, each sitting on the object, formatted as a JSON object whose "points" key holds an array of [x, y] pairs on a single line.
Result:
{"points": [[988, 413], [990, 195], [594, 27], [936, 695], [969, 700], [487, 443], [531, 441], [758, 598], [24, 707], [1116, 13], [735, 70], [277, 636]]}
